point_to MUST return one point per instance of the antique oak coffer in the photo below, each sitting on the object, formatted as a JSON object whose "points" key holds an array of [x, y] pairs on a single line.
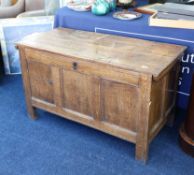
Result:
{"points": [[122, 86]]}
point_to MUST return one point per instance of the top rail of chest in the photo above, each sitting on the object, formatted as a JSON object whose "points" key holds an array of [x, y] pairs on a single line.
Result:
{"points": [[123, 52]]}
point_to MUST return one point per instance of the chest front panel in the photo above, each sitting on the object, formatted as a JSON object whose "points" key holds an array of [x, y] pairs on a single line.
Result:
{"points": [[41, 82]]}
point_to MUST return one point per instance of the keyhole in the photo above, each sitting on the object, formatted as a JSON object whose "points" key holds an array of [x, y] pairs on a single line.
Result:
{"points": [[74, 66]]}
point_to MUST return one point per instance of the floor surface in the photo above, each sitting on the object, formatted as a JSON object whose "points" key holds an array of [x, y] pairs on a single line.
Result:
{"points": [[55, 146]]}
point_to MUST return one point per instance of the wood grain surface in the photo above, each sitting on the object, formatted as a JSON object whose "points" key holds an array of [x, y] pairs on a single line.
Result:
{"points": [[128, 53]]}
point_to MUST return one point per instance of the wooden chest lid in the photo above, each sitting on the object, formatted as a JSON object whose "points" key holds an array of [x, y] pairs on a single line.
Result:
{"points": [[124, 52]]}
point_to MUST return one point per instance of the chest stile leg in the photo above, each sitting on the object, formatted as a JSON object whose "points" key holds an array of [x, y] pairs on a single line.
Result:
{"points": [[142, 139], [57, 87], [26, 83]]}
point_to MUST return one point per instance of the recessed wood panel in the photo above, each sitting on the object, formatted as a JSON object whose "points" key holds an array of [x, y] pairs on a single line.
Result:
{"points": [[157, 102], [171, 87], [80, 93], [41, 81], [162, 98], [119, 103]]}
